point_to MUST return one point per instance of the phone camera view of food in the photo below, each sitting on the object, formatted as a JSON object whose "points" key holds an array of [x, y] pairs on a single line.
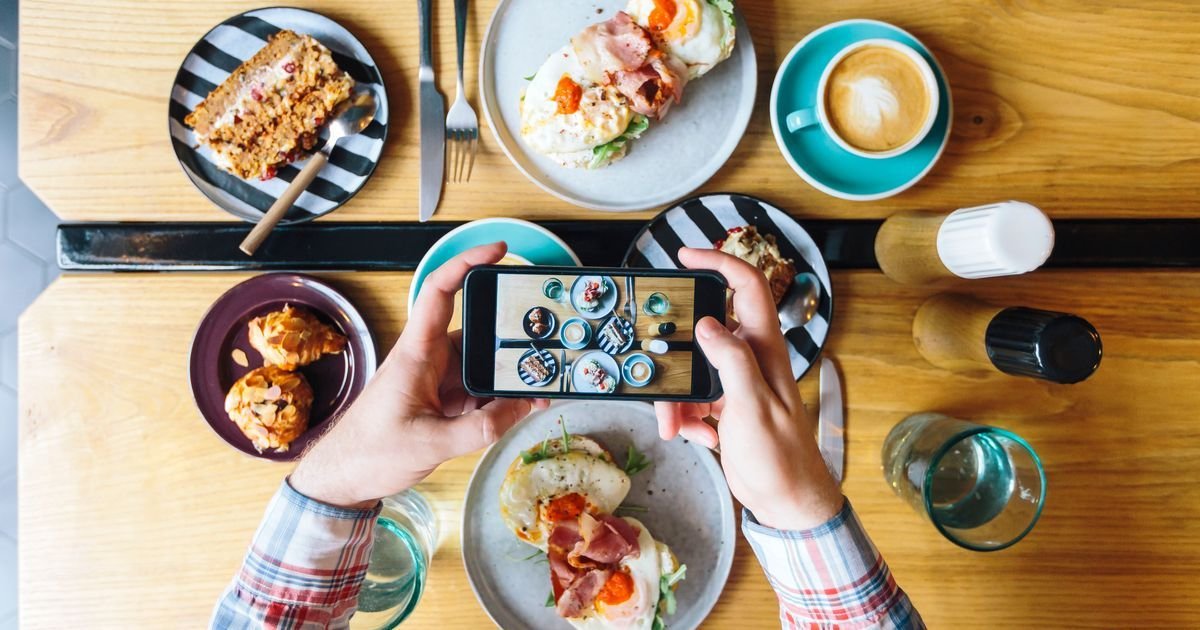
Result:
{"points": [[594, 334]]}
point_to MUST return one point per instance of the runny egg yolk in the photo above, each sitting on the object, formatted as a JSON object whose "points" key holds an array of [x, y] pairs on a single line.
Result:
{"points": [[567, 95], [662, 15], [617, 589], [565, 508]]}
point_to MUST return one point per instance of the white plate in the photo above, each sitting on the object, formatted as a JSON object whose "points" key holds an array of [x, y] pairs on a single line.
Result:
{"points": [[583, 384], [690, 510], [675, 157], [607, 301]]}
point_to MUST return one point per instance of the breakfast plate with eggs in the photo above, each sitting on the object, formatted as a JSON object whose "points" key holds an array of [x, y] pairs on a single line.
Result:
{"points": [[616, 529], [618, 104]]}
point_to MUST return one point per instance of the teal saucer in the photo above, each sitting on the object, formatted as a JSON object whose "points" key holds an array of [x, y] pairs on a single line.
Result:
{"points": [[814, 155], [530, 241]]}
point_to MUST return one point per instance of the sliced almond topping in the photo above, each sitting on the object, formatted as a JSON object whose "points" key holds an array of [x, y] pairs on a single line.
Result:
{"points": [[239, 357]]}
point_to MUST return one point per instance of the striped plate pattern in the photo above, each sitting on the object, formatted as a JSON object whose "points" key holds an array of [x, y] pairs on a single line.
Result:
{"points": [[217, 55], [551, 367], [701, 221]]}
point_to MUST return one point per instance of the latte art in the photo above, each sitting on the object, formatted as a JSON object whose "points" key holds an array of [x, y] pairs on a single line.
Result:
{"points": [[877, 99]]}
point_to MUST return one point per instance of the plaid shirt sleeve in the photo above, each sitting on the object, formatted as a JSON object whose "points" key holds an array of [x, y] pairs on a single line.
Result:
{"points": [[830, 576], [304, 567]]}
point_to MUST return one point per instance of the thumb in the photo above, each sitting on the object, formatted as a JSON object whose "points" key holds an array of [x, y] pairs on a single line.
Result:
{"points": [[732, 357], [481, 427]]}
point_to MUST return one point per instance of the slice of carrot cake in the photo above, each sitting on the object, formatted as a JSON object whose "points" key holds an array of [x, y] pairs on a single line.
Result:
{"points": [[268, 111]]}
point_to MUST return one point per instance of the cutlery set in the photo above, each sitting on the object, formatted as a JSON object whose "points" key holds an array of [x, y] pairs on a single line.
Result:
{"points": [[458, 131]]}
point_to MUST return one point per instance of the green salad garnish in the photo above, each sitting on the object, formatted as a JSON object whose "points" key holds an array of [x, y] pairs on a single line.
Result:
{"points": [[603, 153]]}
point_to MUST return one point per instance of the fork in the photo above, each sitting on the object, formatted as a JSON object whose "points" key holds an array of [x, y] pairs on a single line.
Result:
{"points": [[462, 125]]}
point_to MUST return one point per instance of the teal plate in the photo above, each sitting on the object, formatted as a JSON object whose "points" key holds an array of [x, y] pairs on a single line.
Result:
{"points": [[528, 240], [814, 155]]}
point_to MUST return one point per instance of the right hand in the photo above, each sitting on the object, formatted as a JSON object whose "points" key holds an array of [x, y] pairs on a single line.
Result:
{"points": [[768, 452]]}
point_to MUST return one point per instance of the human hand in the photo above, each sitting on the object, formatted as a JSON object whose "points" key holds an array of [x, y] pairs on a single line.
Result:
{"points": [[768, 452], [414, 414]]}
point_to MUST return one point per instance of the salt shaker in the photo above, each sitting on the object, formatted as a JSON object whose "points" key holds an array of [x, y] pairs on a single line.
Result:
{"points": [[999, 239]]}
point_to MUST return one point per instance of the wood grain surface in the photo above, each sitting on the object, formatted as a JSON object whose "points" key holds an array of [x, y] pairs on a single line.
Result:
{"points": [[133, 514], [1081, 107]]}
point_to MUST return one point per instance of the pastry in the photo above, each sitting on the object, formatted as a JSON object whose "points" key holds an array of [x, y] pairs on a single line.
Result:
{"points": [[268, 111], [761, 251], [293, 337], [271, 406]]}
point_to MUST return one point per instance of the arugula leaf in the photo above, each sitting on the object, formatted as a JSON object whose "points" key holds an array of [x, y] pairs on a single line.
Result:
{"points": [[534, 555], [726, 7], [659, 624], [603, 153], [566, 436], [529, 457], [635, 461], [666, 594], [550, 600], [530, 77]]}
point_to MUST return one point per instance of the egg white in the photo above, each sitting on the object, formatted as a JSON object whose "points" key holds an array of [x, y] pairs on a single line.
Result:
{"points": [[586, 469], [603, 113], [700, 36], [637, 612]]}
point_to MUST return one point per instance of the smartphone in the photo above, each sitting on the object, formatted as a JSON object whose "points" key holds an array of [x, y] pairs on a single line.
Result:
{"points": [[572, 332]]}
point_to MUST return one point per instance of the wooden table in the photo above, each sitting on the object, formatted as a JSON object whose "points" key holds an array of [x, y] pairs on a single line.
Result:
{"points": [[134, 515]]}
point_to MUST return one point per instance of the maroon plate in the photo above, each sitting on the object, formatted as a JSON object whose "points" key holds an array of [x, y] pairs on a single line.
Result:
{"points": [[336, 379]]}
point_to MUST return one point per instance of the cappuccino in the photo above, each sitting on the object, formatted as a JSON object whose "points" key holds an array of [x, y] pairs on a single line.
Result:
{"points": [[877, 99]]}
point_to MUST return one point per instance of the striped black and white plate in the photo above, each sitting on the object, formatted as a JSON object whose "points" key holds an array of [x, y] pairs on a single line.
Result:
{"points": [[702, 221], [529, 379], [623, 327], [215, 57]]}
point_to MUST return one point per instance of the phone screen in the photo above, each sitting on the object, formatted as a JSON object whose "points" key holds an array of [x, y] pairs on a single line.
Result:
{"points": [[598, 333]]}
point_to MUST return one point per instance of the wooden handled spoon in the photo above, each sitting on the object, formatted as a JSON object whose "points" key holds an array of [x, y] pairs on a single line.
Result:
{"points": [[351, 117]]}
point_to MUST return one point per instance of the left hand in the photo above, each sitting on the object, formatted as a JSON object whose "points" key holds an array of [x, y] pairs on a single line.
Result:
{"points": [[414, 414]]}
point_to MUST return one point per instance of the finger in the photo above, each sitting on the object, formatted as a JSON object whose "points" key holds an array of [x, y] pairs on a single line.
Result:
{"points": [[757, 316], [434, 307], [697, 430], [752, 299], [670, 419], [477, 429], [733, 358], [541, 403]]}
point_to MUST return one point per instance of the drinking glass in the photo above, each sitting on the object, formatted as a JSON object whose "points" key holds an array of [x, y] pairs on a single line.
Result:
{"points": [[656, 304], [405, 538], [552, 288], [982, 487]]}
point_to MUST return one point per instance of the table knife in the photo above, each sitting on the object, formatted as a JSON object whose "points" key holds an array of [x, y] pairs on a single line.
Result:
{"points": [[831, 434], [562, 365], [633, 305], [433, 119]]}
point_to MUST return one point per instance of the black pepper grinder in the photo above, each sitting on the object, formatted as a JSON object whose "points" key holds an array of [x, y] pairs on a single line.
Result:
{"points": [[963, 334]]}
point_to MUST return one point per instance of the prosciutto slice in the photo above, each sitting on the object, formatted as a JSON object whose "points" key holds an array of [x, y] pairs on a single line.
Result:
{"points": [[654, 87], [583, 555], [605, 539], [581, 594], [615, 45]]}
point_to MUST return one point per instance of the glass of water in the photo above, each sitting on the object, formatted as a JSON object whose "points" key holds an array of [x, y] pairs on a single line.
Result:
{"points": [[656, 304], [552, 288], [405, 538], [982, 487]]}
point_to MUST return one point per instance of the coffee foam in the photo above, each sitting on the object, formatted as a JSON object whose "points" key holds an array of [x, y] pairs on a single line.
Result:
{"points": [[877, 99]]}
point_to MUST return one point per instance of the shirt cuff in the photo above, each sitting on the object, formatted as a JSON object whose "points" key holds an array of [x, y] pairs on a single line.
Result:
{"points": [[308, 552], [829, 575]]}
